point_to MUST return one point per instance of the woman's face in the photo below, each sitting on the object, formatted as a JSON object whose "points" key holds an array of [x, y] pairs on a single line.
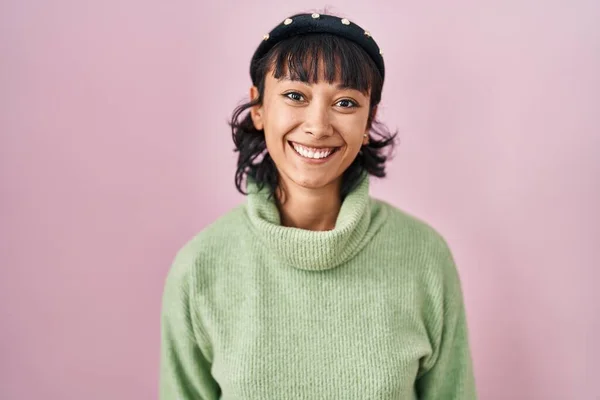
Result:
{"points": [[313, 132]]}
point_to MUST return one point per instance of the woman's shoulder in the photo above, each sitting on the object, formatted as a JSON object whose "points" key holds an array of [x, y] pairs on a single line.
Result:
{"points": [[403, 223], [419, 245], [214, 239], [410, 233], [223, 228]]}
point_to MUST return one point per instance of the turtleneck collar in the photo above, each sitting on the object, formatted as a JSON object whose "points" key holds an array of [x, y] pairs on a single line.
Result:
{"points": [[313, 250]]}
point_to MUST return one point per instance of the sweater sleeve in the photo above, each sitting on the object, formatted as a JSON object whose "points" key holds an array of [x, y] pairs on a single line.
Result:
{"points": [[448, 373], [184, 366]]}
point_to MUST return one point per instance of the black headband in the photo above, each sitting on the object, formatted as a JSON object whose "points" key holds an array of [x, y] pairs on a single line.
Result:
{"points": [[317, 23]]}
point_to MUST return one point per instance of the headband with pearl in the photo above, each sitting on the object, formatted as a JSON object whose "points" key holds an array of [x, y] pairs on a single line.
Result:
{"points": [[317, 23]]}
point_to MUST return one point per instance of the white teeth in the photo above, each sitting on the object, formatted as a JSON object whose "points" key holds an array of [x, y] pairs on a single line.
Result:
{"points": [[310, 153]]}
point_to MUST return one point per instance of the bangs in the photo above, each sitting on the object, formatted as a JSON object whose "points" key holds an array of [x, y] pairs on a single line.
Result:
{"points": [[314, 57]]}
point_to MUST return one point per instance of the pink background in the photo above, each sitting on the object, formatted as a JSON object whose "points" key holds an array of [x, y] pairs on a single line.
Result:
{"points": [[114, 150]]}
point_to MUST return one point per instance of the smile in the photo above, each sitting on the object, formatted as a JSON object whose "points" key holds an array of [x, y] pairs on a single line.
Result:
{"points": [[313, 152]]}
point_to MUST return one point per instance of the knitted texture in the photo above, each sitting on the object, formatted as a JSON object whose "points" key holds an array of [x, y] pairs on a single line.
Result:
{"points": [[370, 310]]}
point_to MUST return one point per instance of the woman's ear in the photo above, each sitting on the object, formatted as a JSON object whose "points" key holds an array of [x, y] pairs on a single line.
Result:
{"points": [[256, 111]]}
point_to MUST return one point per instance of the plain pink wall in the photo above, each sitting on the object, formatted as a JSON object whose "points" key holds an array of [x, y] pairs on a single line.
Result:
{"points": [[114, 150]]}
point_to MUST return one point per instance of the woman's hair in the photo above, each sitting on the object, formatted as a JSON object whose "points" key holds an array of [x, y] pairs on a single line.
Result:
{"points": [[300, 58]]}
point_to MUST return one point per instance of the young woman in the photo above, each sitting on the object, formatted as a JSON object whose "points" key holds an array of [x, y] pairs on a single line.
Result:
{"points": [[312, 289]]}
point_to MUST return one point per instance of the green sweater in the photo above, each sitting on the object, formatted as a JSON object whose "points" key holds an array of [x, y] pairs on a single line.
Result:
{"points": [[372, 309]]}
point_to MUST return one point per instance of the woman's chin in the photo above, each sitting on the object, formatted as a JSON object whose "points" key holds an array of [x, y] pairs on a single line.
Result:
{"points": [[312, 180]]}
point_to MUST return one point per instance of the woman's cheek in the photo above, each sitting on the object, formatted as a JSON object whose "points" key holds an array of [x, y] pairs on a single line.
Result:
{"points": [[278, 117]]}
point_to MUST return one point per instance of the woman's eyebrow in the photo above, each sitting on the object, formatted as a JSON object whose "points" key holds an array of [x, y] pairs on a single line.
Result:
{"points": [[343, 86], [289, 79], [339, 86]]}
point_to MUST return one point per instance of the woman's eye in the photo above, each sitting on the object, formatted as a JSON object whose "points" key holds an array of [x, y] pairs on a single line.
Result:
{"points": [[346, 103], [295, 96]]}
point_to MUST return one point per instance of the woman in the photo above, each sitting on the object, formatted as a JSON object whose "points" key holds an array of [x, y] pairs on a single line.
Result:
{"points": [[312, 289]]}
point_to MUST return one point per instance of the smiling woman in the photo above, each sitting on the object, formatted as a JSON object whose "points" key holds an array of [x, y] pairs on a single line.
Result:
{"points": [[308, 117], [312, 289], [329, 87]]}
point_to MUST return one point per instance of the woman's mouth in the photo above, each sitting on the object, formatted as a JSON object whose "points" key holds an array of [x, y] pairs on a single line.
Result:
{"points": [[313, 153]]}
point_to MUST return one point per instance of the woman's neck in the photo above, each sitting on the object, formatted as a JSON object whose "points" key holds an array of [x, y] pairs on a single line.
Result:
{"points": [[310, 209]]}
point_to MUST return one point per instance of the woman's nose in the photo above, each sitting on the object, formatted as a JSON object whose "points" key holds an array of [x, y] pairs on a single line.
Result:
{"points": [[317, 120]]}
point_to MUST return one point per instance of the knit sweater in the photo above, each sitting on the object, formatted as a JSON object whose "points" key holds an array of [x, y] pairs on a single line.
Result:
{"points": [[372, 309]]}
